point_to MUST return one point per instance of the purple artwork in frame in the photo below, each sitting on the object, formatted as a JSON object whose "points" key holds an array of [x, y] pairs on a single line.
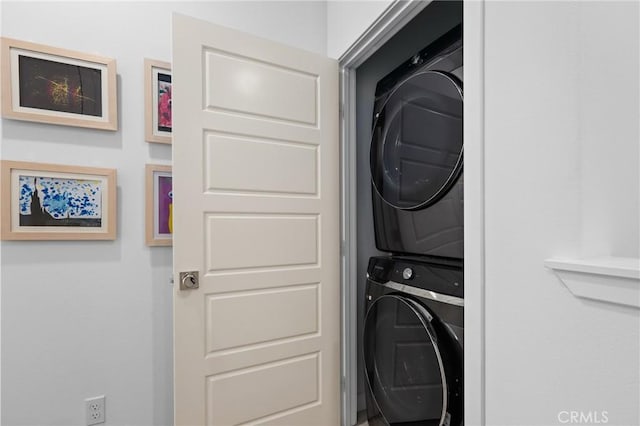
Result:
{"points": [[165, 205], [159, 205]]}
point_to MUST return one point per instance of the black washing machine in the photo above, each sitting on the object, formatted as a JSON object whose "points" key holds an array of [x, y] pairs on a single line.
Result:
{"points": [[417, 151], [413, 343]]}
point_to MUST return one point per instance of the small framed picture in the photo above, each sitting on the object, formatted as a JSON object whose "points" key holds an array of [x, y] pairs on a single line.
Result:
{"points": [[58, 86], [159, 209], [56, 202], [157, 87]]}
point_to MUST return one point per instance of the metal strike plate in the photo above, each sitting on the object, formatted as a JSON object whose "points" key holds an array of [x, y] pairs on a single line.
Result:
{"points": [[189, 280]]}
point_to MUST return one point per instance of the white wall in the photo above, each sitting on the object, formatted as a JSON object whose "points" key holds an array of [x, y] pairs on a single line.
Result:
{"points": [[347, 20], [81, 319], [610, 129], [561, 135], [1, 121]]}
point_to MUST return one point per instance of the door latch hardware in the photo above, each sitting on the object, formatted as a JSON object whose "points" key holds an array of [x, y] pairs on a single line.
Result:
{"points": [[189, 280]]}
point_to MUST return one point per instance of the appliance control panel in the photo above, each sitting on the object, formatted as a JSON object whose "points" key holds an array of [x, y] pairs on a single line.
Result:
{"points": [[441, 278]]}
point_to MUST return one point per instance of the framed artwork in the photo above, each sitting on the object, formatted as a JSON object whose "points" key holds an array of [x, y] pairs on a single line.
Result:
{"points": [[159, 205], [157, 95], [58, 86], [56, 202]]}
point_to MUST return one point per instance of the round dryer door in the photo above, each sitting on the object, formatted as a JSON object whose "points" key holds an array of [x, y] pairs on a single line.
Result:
{"points": [[407, 363], [416, 148]]}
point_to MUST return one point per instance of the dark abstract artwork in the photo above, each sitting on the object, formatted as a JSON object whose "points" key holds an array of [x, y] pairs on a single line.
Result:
{"points": [[164, 102], [61, 87], [47, 201]]}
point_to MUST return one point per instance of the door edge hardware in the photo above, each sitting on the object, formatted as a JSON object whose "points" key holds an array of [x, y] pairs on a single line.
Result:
{"points": [[189, 280]]}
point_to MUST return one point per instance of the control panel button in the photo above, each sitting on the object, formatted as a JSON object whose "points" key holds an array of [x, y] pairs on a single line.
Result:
{"points": [[407, 273]]}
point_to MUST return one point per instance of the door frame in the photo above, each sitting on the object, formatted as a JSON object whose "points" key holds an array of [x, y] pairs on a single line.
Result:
{"points": [[392, 19]]}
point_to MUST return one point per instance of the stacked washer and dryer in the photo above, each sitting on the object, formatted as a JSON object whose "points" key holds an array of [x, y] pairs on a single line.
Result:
{"points": [[413, 327]]}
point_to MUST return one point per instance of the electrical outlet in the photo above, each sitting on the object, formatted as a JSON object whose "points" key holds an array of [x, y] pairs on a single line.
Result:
{"points": [[94, 409]]}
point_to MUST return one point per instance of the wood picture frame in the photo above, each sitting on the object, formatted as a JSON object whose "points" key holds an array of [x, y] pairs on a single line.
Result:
{"points": [[56, 202], [58, 86], [157, 101], [159, 205]]}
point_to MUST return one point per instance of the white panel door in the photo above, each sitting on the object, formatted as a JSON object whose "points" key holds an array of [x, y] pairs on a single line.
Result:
{"points": [[256, 213]]}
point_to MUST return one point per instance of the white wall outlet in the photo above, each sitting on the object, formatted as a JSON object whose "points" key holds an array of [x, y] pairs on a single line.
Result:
{"points": [[94, 409]]}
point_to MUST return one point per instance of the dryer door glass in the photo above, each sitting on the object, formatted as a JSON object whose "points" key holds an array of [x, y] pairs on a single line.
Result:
{"points": [[416, 148], [404, 368]]}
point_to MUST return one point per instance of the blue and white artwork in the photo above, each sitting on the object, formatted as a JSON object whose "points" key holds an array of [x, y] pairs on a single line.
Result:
{"points": [[54, 201]]}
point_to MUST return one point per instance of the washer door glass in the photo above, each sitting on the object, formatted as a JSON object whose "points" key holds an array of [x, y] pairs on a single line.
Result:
{"points": [[404, 368], [416, 148]]}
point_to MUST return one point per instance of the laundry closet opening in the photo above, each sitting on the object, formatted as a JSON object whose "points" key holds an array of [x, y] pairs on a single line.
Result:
{"points": [[412, 186]]}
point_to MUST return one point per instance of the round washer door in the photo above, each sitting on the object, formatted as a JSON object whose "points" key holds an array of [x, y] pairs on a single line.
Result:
{"points": [[405, 369], [417, 143]]}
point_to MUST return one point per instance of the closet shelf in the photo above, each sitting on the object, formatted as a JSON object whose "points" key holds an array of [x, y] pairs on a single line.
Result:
{"points": [[606, 279]]}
